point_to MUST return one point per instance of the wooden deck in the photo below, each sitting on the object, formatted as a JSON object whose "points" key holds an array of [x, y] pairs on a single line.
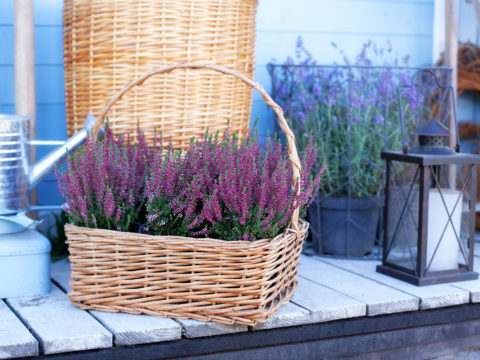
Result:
{"points": [[329, 290]]}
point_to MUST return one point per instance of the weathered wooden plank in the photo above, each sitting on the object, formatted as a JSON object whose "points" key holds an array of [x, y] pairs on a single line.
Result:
{"points": [[289, 314], [194, 328], [380, 299], [60, 326], [130, 329], [472, 286], [127, 329], [15, 339], [433, 296], [60, 271], [324, 304]]}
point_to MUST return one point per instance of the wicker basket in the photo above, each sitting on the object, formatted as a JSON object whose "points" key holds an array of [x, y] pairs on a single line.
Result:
{"points": [[108, 43], [205, 279]]}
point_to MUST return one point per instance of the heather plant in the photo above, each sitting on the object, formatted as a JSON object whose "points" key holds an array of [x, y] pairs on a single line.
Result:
{"points": [[104, 181], [222, 188], [227, 189], [352, 113]]}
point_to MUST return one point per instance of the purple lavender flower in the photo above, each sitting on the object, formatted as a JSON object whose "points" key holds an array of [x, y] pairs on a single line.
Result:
{"points": [[351, 111], [334, 121]]}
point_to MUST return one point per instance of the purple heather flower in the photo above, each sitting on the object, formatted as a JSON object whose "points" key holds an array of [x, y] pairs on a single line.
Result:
{"points": [[103, 183], [225, 189]]}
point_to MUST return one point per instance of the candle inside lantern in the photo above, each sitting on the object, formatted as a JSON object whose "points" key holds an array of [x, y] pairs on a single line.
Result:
{"points": [[446, 256]]}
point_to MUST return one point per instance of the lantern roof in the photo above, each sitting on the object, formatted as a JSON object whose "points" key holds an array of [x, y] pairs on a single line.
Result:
{"points": [[432, 128]]}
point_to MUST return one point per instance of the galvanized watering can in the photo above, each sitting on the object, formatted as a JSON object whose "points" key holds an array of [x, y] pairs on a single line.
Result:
{"points": [[17, 176]]}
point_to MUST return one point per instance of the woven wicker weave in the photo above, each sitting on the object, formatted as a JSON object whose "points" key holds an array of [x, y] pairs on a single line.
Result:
{"points": [[226, 282], [108, 43]]}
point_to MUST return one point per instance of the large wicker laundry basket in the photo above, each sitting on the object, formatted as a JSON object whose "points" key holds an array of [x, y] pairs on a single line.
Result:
{"points": [[108, 43], [226, 282]]}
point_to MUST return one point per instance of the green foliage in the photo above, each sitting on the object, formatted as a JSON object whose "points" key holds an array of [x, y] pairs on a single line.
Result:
{"points": [[57, 237]]}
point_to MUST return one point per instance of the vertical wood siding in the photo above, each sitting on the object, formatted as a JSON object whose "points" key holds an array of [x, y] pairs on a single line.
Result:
{"points": [[407, 24]]}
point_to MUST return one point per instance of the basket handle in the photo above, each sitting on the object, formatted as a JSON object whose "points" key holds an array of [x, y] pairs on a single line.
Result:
{"points": [[292, 150]]}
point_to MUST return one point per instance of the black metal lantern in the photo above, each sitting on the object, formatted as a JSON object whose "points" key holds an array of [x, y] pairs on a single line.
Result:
{"points": [[430, 197]]}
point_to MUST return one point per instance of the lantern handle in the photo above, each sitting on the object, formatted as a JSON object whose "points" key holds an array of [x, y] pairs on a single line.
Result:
{"points": [[454, 105], [412, 84]]}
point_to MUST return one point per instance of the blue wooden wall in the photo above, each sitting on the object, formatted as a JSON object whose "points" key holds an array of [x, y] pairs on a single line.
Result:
{"points": [[407, 24], [49, 77]]}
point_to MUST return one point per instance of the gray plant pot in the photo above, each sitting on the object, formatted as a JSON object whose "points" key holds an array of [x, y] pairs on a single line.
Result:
{"points": [[339, 232]]}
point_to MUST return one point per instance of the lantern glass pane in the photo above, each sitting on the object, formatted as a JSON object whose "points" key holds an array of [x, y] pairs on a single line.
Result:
{"points": [[450, 217], [403, 210]]}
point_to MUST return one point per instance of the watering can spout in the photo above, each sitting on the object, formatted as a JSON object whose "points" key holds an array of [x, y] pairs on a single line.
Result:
{"points": [[46, 165]]}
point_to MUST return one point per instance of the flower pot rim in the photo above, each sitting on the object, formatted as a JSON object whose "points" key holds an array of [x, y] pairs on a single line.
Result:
{"points": [[341, 203]]}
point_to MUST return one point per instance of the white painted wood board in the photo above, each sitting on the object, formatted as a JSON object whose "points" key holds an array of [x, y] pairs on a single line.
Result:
{"points": [[472, 286], [431, 297], [194, 328], [289, 314], [60, 271], [379, 298], [58, 325], [131, 329], [15, 339], [324, 304], [127, 329]]}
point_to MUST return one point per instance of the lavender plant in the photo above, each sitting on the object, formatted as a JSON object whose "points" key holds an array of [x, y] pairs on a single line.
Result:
{"points": [[227, 190], [104, 181], [352, 113]]}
